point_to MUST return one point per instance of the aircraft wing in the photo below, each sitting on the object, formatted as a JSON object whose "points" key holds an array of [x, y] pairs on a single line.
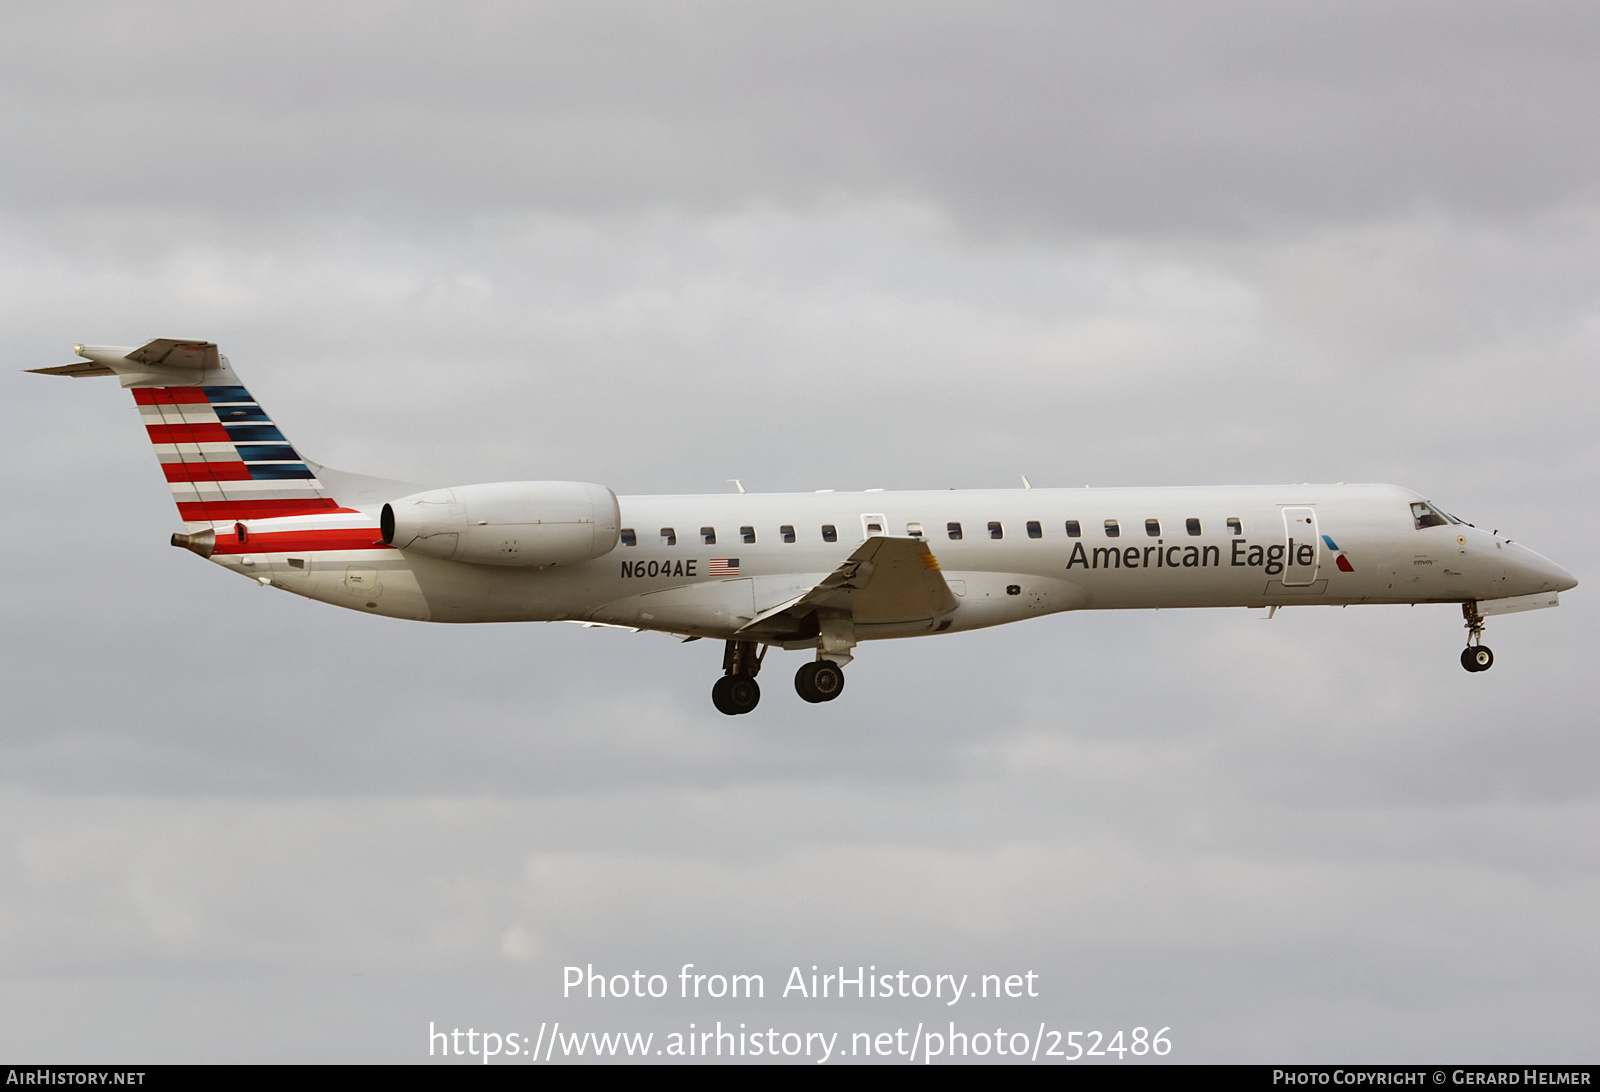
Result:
{"points": [[885, 580]]}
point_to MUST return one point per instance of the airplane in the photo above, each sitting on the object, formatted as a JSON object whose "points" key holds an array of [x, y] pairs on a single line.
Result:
{"points": [[819, 572]]}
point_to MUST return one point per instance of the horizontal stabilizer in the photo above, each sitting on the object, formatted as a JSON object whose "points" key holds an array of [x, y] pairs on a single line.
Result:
{"points": [[166, 352], [80, 370], [164, 362]]}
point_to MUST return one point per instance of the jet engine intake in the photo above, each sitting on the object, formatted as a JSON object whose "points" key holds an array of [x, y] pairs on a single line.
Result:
{"points": [[522, 524]]}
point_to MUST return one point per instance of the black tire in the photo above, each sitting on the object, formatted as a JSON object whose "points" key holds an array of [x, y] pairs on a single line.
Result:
{"points": [[819, 681], [735, 694], [1477, 658], [719, 696]]}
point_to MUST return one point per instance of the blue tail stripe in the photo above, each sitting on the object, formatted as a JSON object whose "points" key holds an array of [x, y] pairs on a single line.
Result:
{"points": [[278, 471], [253, 432], [227, 394], [242, 415], [268, 453], [1331, 544]]}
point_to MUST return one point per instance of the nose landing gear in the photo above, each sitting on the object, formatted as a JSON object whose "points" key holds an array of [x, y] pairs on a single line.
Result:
{"points": [[1476, 656], [736, 692]]}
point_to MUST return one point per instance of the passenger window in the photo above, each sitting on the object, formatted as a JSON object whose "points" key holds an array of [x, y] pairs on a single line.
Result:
{"points": [[669, 537], [874, 527], [787, 532], [1034, 530], [629, 538], [955, 531], [748, 534], [995, 530], [1192, 525], [1112, 530], [708, 535], [914, 530], [1234, 526], [240, 534], [1152, 527], [1426, 515], [830, 533], [1073, 529]]}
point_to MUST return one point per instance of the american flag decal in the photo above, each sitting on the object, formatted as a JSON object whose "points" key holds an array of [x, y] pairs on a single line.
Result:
{"points": [[723, 566]]}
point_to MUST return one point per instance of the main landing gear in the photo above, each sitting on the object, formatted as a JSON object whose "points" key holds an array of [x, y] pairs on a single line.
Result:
{"points": [[1476, 656], [819, 680], [736, 692]]}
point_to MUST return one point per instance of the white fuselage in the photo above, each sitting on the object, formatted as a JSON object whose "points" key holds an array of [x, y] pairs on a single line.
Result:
{"points": [[1016, 556]]}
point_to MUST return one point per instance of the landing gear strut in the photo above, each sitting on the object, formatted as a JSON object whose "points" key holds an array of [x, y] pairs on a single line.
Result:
{"points": [[820, 680], [1476, 656], [736, 692]]}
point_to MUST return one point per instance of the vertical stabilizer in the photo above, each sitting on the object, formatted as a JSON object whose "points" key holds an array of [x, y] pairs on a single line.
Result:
{"points": [[224, 459]]}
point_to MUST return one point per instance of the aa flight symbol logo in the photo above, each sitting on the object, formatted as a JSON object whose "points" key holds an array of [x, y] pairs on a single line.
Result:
{"points": [[1343, 562]]}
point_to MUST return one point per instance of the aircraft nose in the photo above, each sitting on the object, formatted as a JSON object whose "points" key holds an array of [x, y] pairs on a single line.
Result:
{"points": [[1541, 571]]}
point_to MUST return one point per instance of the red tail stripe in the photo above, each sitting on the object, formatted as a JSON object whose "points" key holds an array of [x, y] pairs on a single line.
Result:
{"points": [[187, 434], [206, 472], [203, 511], [169, 396], [285, 542]]}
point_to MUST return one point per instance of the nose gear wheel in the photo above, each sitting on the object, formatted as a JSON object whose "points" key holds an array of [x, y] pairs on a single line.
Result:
{"points": [[1476, 656]]}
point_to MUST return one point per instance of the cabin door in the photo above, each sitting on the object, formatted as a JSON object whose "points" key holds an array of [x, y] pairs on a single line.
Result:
{"points": [[1302, 548]]}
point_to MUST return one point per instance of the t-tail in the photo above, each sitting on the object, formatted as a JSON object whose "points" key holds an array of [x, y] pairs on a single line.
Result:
{"points": [[224, 459], [249, 500]]}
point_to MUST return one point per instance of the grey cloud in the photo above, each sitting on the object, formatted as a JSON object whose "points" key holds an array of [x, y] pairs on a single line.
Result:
{"points": [[1019, 117], [896, 245]]}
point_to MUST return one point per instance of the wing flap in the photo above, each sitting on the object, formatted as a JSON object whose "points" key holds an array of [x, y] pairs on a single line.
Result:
{"points": [[886, 579]]}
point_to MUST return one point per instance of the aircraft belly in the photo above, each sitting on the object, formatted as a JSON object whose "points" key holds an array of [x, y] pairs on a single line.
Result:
{"points": [[713, 608], [992, 599], [370, 581], [372, 587]]}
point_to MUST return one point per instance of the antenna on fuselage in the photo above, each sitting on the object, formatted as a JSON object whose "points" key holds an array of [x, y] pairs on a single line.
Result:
{"points": [[738, 483]]}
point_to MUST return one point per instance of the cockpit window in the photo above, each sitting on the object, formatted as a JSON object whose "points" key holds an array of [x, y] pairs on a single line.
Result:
{"points": [[1427, 515]]}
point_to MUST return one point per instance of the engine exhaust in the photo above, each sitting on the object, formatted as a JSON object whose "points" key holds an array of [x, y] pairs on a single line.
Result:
{"points": [[201, 542]]}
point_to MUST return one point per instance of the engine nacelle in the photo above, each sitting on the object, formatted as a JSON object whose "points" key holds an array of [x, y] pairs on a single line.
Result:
{"points": [[525, 524]]}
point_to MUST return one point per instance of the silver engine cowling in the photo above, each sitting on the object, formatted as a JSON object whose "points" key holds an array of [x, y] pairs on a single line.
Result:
{"points": [[524, 524]]}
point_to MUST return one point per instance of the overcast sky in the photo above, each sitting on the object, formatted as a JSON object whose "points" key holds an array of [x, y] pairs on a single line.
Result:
{"points": [[819, 245]]}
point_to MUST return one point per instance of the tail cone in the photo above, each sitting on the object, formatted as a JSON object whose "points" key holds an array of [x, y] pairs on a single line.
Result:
{"points": [[202, 542]]}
